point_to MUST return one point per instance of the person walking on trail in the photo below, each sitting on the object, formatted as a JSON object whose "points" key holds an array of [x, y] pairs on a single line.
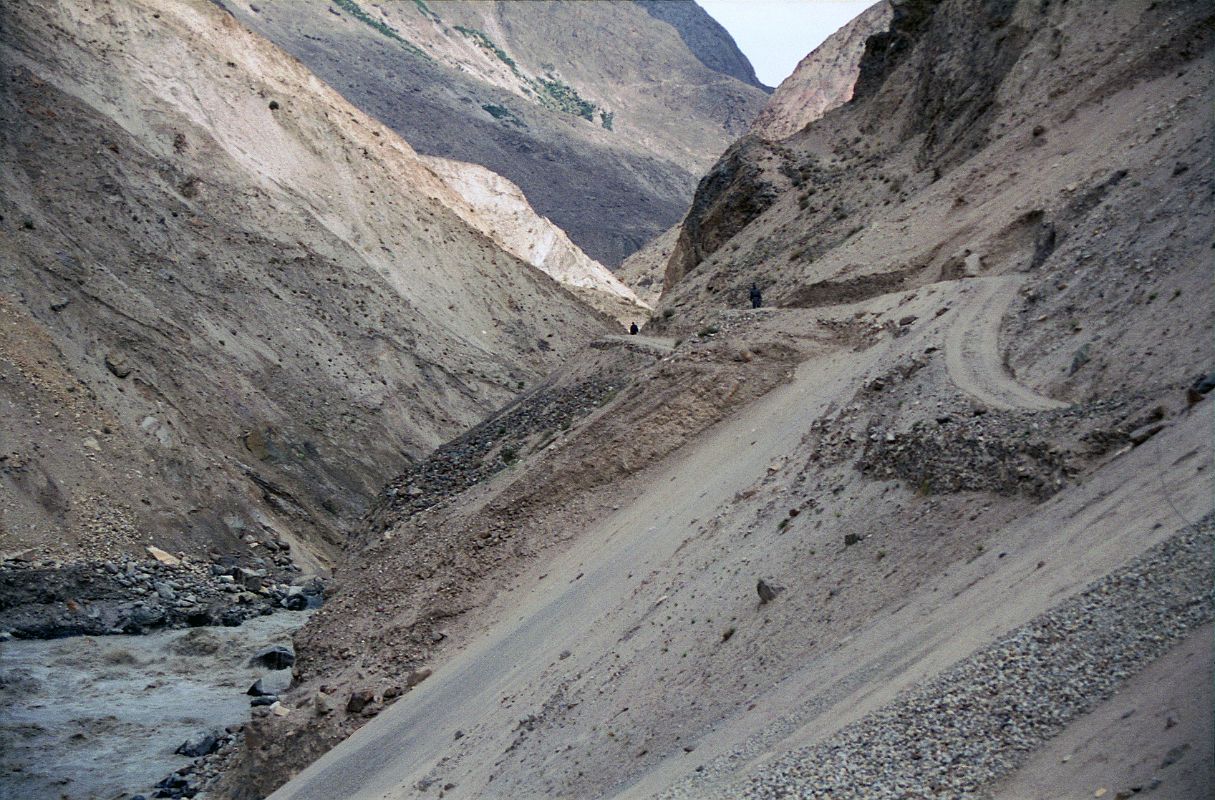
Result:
{"points": [[633, 329], [757, 298]]}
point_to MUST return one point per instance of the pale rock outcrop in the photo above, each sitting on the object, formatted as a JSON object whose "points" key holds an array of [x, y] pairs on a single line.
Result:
{"points": [[602, 113], [497, 207], [644, 270], [823, 80]]}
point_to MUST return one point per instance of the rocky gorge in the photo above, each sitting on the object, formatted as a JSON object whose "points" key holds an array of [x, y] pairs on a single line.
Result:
{"points": [[328, 469]]}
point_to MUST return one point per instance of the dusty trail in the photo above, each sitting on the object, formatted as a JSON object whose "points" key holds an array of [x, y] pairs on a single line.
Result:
{"points": [[656, 345], [972, 347]]}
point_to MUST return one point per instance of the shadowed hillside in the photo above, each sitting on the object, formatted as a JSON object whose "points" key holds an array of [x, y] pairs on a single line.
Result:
{"points": [[233, 304], [598, 111]]}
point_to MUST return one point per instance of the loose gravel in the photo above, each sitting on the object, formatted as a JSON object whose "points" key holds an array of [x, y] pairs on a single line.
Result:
{"points": [[487, 449], [981, 718]]}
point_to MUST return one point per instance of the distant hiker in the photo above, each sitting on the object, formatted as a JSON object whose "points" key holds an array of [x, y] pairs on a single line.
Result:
{"points": [[757, 299], [633, 329]]}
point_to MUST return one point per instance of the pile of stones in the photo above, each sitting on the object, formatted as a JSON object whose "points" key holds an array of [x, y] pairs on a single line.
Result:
{"points": [[211, 750], [1034, 453]]}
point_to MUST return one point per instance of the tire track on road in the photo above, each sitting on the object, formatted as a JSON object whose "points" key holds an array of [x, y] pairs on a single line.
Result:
{"points": [[973, 354]]}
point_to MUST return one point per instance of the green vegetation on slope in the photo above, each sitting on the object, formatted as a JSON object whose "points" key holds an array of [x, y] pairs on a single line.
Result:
{"points": [[426, 10], [487, 43], [560, 96], [551, 92], [502, 112], [353, 9]]}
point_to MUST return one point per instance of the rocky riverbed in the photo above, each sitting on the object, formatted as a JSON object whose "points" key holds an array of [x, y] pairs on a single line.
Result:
{"points": [[52, 599], [114, 716], [104, 693]]}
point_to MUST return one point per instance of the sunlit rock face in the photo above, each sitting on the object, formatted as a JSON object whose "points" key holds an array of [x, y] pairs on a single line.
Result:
{"points": [[823, 80]]}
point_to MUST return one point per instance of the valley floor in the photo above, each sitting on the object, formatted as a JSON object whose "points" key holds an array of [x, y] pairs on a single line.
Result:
{"points": [[938, 525]]}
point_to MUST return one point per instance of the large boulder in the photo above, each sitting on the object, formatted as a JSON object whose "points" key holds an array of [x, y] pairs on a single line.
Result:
{"points": [[276, 657]]}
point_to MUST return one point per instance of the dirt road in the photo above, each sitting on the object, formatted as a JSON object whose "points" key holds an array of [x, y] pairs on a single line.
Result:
{"points": [[655, 345], [972, 347]]}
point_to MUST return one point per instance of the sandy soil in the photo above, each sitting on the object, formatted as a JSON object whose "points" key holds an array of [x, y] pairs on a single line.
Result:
{"points": [[1019, 194], [922, 450]]}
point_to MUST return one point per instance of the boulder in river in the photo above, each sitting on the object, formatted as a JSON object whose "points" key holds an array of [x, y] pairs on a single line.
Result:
{"points": [[204, 745], [276, 657]]}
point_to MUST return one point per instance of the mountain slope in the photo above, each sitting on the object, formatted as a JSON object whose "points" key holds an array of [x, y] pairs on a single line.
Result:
{"points": [[233, 303], [1027, 156], [708, 40], [599, 112], [961, 446]]}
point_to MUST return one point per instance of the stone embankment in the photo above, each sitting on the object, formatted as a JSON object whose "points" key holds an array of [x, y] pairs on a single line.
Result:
{"points": [[1034, 453]]}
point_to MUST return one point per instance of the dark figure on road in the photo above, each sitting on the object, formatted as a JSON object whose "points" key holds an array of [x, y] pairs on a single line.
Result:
{"points": [[757, 299], [633, 329]]}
